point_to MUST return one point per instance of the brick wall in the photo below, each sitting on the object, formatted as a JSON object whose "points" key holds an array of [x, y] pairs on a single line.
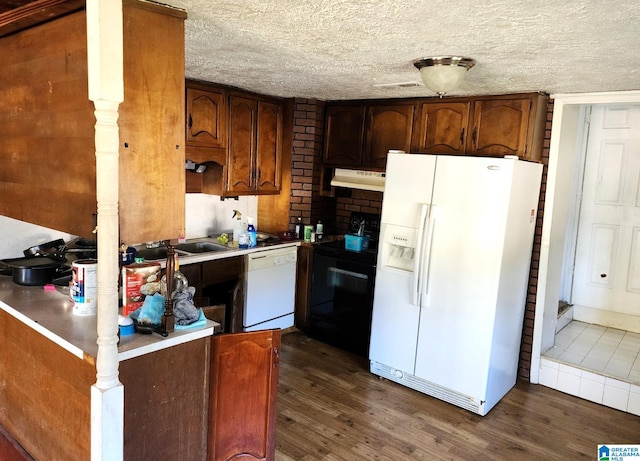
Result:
{"points": [[306, 158], [524, 365]]}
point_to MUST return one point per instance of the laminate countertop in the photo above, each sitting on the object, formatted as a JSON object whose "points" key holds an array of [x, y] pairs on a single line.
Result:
{"points": [[51, 314]]}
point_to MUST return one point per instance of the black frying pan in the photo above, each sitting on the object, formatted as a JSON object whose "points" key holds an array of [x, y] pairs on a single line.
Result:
{"points": [[35, 271]]}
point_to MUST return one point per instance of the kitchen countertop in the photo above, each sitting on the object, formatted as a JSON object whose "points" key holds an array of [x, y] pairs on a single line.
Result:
{"points": [[51, 314]]}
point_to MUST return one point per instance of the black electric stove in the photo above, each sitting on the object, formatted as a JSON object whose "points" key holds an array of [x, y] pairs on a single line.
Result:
{"points": [[342, 289]]}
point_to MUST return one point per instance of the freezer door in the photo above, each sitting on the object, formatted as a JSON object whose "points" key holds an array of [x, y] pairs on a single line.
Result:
{"points": [[408, 186]]}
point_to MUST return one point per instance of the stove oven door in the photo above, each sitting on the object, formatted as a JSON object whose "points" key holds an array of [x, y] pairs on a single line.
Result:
{"points": [[342, 302]]}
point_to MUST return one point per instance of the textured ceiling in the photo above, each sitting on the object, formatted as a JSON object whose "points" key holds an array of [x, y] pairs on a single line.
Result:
{"points": [[340, 49]]}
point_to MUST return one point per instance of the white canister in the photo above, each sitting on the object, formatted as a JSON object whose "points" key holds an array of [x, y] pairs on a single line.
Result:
{"points": [[83, 289]]}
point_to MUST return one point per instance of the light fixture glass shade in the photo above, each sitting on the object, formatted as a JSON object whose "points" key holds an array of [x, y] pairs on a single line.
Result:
{"points": [[443, 74]]}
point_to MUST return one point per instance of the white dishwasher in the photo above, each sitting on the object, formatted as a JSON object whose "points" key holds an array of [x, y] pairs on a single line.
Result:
{"points": [[270, 289]]}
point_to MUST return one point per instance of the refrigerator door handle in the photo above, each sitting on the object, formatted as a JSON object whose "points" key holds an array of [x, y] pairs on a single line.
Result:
{"points": [[417, 257], [426, 255]]}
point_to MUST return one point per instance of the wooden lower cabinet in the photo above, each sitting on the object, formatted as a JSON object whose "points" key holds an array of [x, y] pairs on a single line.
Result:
{"points": [[242, 406], [212, 398], [165, 403]]}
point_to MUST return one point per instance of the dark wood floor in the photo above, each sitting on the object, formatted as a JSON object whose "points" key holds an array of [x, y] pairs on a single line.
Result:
{"points": [[330, 407]]}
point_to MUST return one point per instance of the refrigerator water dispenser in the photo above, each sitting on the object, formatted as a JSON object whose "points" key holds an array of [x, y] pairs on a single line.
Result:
{"points": [[398, 247]]}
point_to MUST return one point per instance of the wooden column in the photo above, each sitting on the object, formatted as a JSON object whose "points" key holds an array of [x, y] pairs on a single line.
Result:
{"points": [[106, 90]]}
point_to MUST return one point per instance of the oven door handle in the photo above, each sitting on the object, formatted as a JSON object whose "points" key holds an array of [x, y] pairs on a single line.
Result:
{"points": [[349, 273]]}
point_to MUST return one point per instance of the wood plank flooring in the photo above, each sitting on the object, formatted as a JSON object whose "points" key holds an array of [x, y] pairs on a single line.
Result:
{"points": [[330, 407]]}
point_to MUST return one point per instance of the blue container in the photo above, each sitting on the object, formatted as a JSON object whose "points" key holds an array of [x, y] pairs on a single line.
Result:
{"points": [[356, 242]]}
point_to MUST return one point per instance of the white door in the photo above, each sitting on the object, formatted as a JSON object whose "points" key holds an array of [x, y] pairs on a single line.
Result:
{"points": [[607, 265]]}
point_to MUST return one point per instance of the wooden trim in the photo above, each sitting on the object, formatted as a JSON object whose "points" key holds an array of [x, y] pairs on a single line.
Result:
{"points": [[36, 12]]}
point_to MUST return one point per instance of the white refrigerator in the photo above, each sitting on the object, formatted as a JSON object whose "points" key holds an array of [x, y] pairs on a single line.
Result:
{"points": [[453, 263]]}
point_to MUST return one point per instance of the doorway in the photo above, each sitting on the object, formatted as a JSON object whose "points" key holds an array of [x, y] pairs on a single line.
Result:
{"points": [[566, 146], [604, 270]]}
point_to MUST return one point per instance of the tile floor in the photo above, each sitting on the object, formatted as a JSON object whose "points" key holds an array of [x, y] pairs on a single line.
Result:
{"points": [[595, 363], [608, 351]]}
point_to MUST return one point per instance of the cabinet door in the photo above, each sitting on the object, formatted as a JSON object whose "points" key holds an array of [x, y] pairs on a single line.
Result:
{"points": [[500, 127], [242, 142], [243, 394], [151, 121], [269, 147], [344, 134], [387, 127], [441, 128], [206, 118]]}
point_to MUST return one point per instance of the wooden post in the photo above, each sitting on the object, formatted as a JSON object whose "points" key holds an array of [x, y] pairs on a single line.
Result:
{"points": [[106, 90], [168, 319]]}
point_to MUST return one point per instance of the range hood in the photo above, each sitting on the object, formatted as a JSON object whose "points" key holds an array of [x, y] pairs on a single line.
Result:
{"points": [[358, 179]]}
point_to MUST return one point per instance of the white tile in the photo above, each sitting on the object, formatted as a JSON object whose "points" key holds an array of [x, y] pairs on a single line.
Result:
{"points": [[610, 382], [593, 377], [591, 390], [633, 405], [595, 364], [571, 357], [554, 352], [548, 374], [615, 397], [569, 370], [619, 369], [569, 381]]}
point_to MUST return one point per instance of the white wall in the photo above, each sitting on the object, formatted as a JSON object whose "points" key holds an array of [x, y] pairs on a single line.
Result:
{"points": [[17, 236], [207, 214]]}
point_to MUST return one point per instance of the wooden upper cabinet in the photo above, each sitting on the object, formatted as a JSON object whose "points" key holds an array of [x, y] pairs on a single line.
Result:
{"points": [[239, 135], [58, 132], [152, 145], [255, 146], [242, 144], [269, 147], [360, 136], [441, 128], [493, 126], [344, 133], [206, 117], [500, 127], [242, 408], [388, 127]]}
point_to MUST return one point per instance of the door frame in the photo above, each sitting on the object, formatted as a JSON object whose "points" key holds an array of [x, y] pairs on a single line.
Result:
{"points": [[563, 149]]}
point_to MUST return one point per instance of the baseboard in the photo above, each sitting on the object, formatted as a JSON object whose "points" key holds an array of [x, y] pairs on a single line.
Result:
{"points": [[605, 318]]}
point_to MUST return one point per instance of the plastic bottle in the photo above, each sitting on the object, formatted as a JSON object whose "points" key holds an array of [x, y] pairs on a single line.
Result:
{"points": [[319, 230], [238, 228], [299, 228], [253, 235]]}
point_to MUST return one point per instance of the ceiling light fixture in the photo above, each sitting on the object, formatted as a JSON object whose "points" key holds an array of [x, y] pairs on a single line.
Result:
{"points": [[443, 74]]}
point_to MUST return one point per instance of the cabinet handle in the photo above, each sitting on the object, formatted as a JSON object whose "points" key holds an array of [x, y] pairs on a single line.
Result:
{"points": [[473, 135], [462, 137], [276, 357], [190, 122]]}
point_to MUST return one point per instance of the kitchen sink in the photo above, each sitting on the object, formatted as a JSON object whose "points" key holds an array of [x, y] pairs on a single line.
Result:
{"points": [[152, 254], [200, 247]]}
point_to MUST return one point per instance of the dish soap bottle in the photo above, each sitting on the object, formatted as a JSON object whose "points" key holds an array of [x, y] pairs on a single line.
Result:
{"points": [[238, 228], [253, 235]]}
